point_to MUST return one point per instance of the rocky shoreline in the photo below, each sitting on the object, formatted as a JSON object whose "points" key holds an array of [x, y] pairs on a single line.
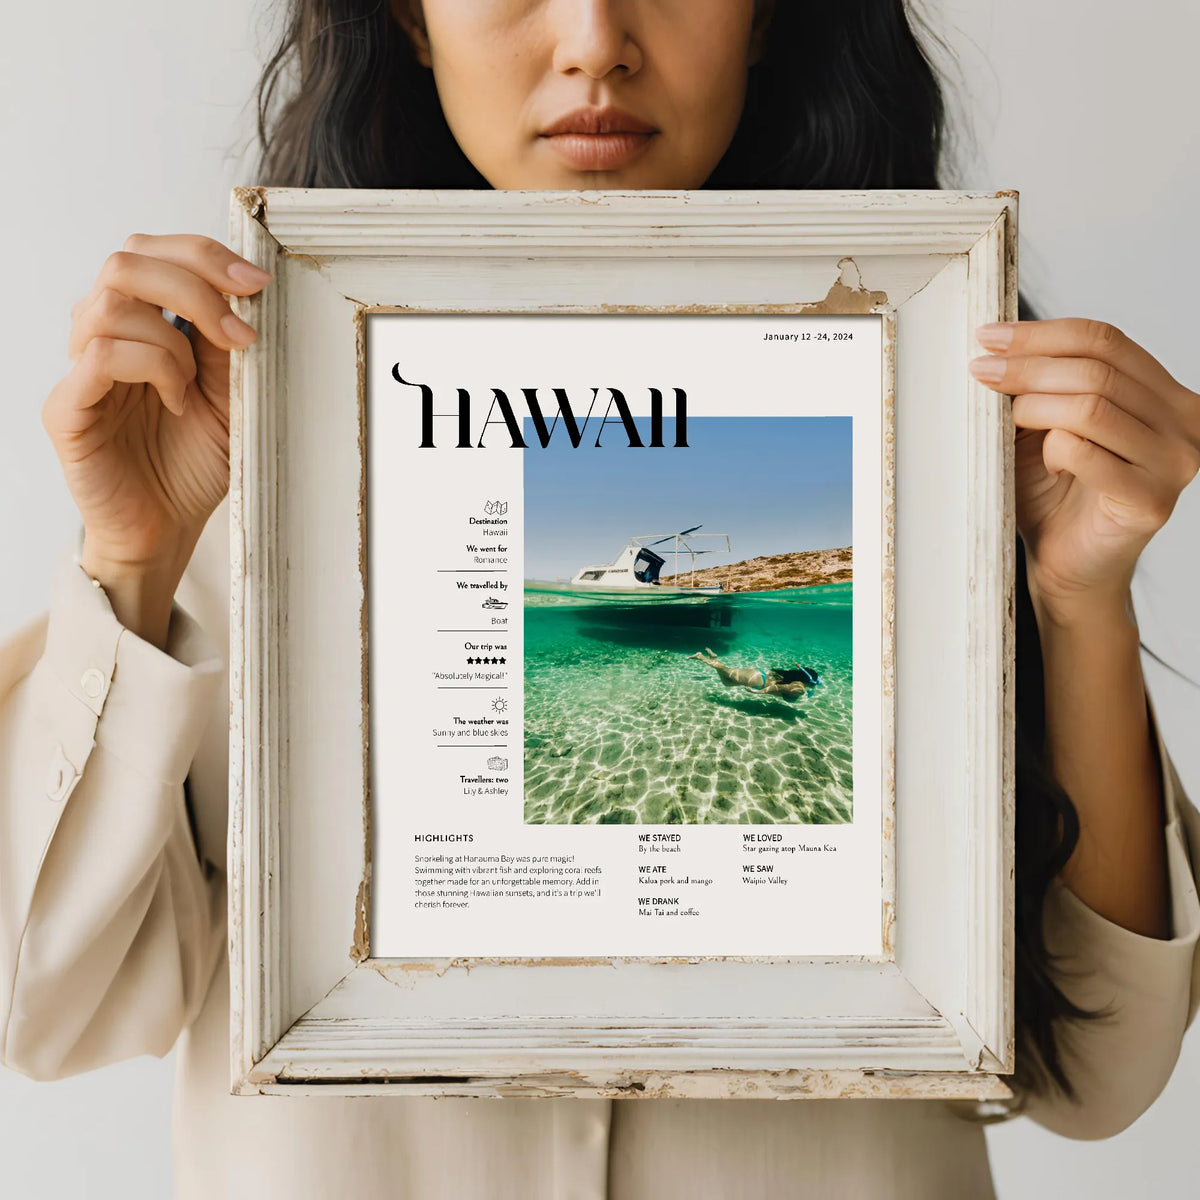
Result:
{"points": [[805, 568]]}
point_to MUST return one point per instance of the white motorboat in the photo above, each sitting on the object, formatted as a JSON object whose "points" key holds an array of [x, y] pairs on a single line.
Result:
{"points": [[634, 575]]}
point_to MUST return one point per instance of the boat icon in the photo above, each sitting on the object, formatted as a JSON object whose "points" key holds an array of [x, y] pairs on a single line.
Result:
{"points": [[494, 602]]}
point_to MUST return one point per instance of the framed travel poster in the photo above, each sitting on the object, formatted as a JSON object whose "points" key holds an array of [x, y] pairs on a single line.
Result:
{"points": [[622, 645]]}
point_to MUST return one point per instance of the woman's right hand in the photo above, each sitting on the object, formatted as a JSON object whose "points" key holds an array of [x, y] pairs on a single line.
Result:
{"points": [[141, 422]]}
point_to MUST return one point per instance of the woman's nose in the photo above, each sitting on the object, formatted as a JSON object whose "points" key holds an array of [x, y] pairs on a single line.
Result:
{"points": [[595, 36]]}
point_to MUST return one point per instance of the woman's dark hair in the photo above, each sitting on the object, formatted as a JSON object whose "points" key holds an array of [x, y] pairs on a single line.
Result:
{"points": [[845, 97]]}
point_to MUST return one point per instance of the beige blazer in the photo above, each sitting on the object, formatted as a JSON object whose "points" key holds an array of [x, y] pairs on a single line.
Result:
{"points": [[113, 944]]}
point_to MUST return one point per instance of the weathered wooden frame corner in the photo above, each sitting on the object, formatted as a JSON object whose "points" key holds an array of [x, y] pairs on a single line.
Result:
{"points": [[311, 1011]]}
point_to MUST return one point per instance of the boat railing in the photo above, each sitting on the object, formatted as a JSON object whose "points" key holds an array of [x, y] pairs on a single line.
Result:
{"points": [[683, 545]]}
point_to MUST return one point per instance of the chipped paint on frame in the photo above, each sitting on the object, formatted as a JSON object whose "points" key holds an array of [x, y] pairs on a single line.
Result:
{"points": [[360, 946], [844, 299], [888, 865], [660, 1085]]}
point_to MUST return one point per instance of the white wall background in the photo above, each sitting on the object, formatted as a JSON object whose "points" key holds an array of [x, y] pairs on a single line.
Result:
{"points": [[120, 117], [1088, 107]]}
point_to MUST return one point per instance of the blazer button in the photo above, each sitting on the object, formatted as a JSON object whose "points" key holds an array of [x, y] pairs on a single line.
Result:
{"points": [[61, 777], [93, 683]]}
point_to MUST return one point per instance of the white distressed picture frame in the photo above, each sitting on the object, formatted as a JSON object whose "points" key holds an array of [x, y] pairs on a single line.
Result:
{"points": [[311, 1010]]}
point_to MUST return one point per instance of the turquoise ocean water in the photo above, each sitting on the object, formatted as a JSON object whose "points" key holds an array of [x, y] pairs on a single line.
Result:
{"points": [[621, 726]]}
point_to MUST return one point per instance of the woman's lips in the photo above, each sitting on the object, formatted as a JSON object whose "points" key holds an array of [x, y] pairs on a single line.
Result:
{"points": [[598, 151], [598, 138]]}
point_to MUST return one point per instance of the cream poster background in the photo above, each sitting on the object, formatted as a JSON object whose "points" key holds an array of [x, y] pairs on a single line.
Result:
{"points": [[830, 901]]}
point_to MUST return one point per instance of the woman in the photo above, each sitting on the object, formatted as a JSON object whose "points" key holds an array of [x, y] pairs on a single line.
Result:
{"points": [[112, 922], [789, 683]]}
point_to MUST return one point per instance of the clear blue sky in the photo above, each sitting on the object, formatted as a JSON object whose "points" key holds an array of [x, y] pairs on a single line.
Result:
{"points": [[774, 484]]}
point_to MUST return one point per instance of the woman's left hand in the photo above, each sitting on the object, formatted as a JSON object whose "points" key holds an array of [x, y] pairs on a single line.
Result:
{"points": [[1106, 441]]}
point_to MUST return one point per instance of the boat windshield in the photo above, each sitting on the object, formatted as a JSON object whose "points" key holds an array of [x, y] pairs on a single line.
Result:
{"points": [[647, 566]]}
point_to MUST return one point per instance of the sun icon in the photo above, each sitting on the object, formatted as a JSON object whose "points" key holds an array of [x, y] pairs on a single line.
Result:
{"points": [[499, 704]]}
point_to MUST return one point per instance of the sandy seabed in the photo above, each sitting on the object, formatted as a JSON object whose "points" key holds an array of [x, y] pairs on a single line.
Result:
{"points": [[618, 732]]}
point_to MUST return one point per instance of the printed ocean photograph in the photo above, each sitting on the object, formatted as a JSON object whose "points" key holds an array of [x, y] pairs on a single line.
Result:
{"points": [[688, 626]]}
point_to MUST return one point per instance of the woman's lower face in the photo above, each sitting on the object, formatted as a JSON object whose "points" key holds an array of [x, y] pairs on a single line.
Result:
{"points": [[666, 78]]}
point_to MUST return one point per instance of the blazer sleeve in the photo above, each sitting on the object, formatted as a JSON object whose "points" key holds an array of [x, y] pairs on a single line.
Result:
{"points": [[1120, 1063], [110, 927]]}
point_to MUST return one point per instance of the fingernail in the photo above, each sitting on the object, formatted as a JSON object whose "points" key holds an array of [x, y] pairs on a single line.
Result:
{"points": [[989, 368], [997, 336], [248, 275], [237, 330]]}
